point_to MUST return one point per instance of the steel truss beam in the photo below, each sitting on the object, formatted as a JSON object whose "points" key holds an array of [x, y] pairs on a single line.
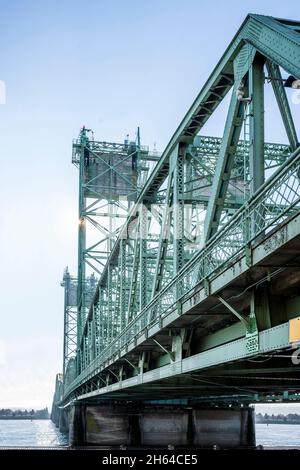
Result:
{"points": [[144, 278], [283, 185]]}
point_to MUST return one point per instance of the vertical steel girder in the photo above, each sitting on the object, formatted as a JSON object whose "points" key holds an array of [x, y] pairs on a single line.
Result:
{"points": [[256, 145], [110, 306], [163, 238], [143, 216], [123, 284], [283, 104], [231, 135], [134, 278], [70, 319], [178, 209], [81, 246], [224, 166]]}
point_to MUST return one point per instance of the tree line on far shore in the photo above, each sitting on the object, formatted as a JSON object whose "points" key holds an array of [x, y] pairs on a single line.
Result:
{"points": [[291, 418], [7, 413]]}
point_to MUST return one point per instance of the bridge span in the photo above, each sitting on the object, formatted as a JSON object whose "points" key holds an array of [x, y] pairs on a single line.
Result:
{"points": [[185, 309]]}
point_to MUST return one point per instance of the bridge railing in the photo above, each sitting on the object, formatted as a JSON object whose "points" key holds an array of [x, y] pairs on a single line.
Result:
{"points": [[277, 200]]}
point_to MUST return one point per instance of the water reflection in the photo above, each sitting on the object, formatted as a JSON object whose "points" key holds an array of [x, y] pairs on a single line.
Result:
{"points": [[35, 433]]}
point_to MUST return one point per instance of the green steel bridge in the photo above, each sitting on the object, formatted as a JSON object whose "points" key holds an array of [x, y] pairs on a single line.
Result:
{"points": [[187, 290]]}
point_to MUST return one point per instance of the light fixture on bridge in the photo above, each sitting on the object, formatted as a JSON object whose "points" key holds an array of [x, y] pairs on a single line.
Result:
{"points": [[290, 82]]}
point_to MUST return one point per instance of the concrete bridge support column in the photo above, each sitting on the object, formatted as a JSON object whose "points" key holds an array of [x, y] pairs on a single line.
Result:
{"points": [[55, 415], [161, 425], [226, 428], [111, 424], [64, 420], [76, 425]]}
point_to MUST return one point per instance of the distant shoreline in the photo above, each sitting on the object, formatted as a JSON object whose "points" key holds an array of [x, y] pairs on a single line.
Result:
{"points": [[277, 422], [27, 418], [18, 413], [291, 418]]}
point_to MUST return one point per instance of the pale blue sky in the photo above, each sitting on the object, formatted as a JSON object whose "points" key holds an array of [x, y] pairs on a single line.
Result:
{"points": [[112, 65]]}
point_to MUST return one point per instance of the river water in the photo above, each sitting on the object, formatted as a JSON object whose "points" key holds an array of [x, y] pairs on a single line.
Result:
{"points": [[26, 433], [278, 435], [43, 433]]}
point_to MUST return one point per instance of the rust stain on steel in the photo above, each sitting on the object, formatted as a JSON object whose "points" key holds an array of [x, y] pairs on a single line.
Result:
{"points": [[276, 240]]}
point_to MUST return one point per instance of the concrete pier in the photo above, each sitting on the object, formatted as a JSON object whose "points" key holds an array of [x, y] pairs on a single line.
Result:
{"points": [[159, 426], [63, 424], [226, 428]]}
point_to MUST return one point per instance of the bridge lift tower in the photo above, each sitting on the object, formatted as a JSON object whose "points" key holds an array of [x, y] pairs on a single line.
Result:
{"points": [[111, 176]]}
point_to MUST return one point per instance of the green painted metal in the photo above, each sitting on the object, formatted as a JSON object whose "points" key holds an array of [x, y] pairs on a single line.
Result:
{"points": [[107, 172], [205, 204], [270, 340], [143, 225], [123, 285], [163, 239], [283, 104], [224, 165], [256, 150], [70, 319], [219, 253], [178, 207]]}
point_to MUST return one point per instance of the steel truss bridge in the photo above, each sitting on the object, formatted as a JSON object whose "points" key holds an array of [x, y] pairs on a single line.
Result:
{"points": [[188, 262]]}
